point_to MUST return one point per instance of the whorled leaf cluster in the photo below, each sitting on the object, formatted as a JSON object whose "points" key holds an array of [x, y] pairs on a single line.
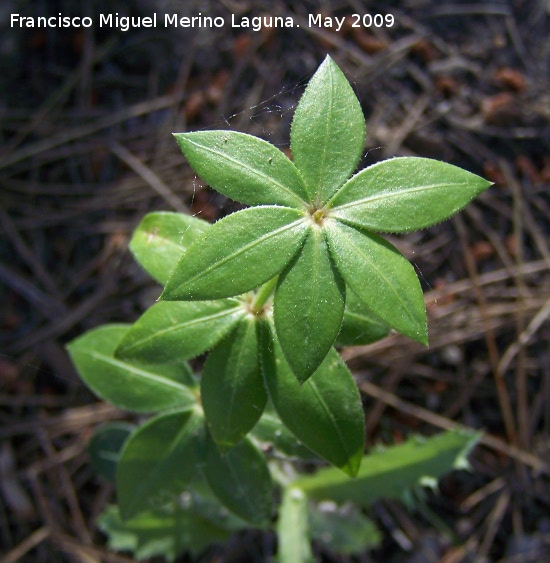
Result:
{"points": [[267, 292]]}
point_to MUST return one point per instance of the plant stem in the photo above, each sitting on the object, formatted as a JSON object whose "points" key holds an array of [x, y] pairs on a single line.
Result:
{"points": [[263, 294]]}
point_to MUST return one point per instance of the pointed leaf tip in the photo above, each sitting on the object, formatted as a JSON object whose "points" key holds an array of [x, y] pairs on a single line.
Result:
{"points": [[325, 413], [405, 194], [328, 132], [241, 480], [243, 167], [381, 277]]}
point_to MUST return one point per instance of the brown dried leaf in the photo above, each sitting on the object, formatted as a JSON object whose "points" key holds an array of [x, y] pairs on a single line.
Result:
{"points": [[510, 78], [367, 42]]}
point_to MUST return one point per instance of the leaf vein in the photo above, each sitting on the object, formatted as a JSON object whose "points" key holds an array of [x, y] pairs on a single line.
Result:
{"points": [[265, 177], [181, 326], [330, 415], [218, 264], [136, 371], [381, 274], [397, 193]]}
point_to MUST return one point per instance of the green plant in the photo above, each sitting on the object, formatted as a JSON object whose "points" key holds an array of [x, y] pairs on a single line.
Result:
{"points": [[268, 292]]}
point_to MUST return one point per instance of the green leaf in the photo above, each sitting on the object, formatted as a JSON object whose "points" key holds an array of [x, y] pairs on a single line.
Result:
{"points": [[162, 238], [232, 390], [390, 472], [360, 325], [179, 331], [158, 461], [403, 194], [343, 530], [243, 167], [237, 254], [132, 386], [206, 505], [381, 277], [241, 481], [325, 413], [293, 528], [163, 533], [271, 432], [328, 132], [309, 306], [105, 446]]}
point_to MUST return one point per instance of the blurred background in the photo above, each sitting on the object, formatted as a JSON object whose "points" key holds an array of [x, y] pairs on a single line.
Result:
{"points": [[86, 116]]}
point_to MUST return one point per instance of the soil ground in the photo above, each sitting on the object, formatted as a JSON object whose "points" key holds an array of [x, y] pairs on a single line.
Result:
{"points": [[86, 117]]}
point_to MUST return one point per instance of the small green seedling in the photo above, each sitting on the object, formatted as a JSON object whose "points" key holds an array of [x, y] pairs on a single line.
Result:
{"points": [[268, 292]]}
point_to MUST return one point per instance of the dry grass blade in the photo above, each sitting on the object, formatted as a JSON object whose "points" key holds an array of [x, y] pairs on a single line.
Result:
{"points": [[500, 383], [150, 177], [525, 337], [46, 145], [493, 522], [30, 542]]}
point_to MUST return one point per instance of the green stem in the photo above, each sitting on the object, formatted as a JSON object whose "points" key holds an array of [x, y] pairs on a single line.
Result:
{"points": [[263, 294]]}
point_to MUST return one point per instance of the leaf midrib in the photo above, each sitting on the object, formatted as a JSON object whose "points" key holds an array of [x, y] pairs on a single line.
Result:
{"points": [[238, 370], [362, 318], [330, 415], [162, 239], [241, 250], [386, 194], [367, 259], [181, 326], [269, 180], [322, 178], [243, 494], [136, 371]]}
